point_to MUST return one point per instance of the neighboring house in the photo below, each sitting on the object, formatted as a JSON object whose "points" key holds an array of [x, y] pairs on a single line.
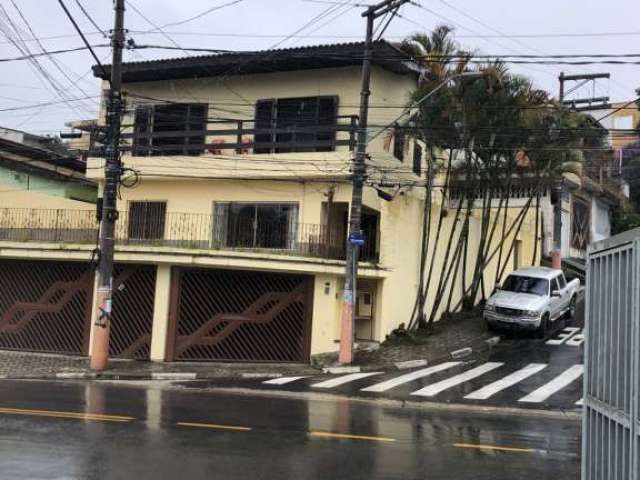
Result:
{"points": [[621, 119], [36, 172], [231, 243]]}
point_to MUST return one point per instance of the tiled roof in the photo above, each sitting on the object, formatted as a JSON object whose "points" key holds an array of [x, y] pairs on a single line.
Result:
{"points": [[385, 54]]}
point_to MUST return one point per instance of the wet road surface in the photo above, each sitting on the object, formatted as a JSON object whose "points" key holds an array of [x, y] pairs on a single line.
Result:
{"points": [[53, 430]]}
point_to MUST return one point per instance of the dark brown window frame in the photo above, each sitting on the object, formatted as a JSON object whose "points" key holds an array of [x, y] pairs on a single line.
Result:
{"points": [[139, 224], [268, 116], [147, 120]]}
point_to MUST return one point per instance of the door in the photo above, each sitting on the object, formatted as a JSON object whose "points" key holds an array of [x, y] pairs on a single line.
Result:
{"points": [[566, 297], [230, 315], [45, 306], [555, 303]]}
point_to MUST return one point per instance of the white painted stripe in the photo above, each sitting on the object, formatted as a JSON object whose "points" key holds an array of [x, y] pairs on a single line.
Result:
{"points": [[563, 336], [352, 377], [436, 388], [282, 381], [409, 377], [580, 402], [506, 382], [565, 378]]}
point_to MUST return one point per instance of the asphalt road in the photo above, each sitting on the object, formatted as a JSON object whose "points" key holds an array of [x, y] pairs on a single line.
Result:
{"points": [[53, 430]]}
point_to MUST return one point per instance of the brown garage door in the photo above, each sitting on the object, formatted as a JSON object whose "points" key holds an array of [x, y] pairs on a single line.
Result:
{"points": [[45, 306], [133, 294], [240, 316]]}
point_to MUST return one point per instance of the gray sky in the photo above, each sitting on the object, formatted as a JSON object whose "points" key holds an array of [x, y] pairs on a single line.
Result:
{"points": [[256, 24]]}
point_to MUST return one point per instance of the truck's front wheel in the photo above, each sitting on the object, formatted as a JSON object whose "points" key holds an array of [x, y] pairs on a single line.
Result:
{"points": [[571, 313], [544, 326]]}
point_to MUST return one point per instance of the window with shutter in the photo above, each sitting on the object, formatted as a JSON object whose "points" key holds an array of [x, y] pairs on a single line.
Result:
{"points": [[146, 220], [176, 129], [398, 143], [417, 159], [304, 124], [263, 121], [141, 127]]}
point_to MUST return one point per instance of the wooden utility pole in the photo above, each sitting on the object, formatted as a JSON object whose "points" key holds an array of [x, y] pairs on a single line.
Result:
{"points": [[102, 324], [355, 238]]}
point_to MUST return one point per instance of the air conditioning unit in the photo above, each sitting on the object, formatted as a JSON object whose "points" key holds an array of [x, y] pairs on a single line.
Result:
{"points": [[365, 305]]}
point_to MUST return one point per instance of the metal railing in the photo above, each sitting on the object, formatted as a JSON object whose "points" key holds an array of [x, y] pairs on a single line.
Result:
{"points": [[182, 230], [243, 137]]}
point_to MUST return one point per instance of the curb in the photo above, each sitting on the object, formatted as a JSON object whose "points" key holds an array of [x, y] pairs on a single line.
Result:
{"points": [[411, 364]]}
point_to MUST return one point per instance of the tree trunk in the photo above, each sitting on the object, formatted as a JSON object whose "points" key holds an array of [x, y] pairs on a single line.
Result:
{"points": [[424, 251], [535, 237], [445, 193]]}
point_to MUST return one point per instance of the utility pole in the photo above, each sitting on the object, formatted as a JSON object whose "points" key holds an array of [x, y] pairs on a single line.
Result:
{"points": [[355, 239], [102, 324]]}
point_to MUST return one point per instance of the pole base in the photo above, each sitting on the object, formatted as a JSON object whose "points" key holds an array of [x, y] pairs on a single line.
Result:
{"points": [[345, 356], [100, 342]]}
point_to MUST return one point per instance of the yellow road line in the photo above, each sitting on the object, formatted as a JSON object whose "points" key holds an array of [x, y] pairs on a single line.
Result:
{"points": [[351, 437], [72, 415], [494, 447], [214, 426]]}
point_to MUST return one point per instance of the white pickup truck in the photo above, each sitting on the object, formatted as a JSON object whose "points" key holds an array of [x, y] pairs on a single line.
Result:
{"points": [[531, 299]]}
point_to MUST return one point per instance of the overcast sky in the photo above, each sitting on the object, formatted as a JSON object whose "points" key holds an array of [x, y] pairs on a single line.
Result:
{"points": [[490, 26]]}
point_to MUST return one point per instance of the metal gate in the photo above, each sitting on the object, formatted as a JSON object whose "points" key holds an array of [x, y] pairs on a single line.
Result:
{"points": [[45, 306], [240, 316], [133, 296], [611, 418]]}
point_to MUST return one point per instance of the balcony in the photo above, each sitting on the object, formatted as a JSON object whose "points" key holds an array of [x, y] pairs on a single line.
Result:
{"points": [[244, 137], [183, 231]]}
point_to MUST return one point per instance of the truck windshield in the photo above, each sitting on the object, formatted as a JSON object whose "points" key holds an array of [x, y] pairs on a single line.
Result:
{"points": [[520, 284]]}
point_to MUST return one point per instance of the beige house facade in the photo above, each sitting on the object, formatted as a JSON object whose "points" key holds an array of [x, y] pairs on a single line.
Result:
{"points": [[234, 208]]}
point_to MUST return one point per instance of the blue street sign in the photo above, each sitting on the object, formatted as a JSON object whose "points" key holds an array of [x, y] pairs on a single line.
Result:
{"points": [[356, 238]]}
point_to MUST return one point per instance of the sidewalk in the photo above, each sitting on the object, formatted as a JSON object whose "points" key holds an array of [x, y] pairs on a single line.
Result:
{"points": [[463, 337]]}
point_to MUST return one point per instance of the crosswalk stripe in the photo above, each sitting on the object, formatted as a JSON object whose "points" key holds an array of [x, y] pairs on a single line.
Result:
{"points": [[558, 383], [506, 382], [352, 377], [434, 389], [409, 377], [282, 380]]}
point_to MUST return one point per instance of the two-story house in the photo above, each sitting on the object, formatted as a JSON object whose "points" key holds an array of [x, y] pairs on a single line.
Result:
{"points": [[234, 207]]}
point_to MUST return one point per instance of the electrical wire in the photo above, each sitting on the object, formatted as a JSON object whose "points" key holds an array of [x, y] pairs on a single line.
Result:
{"points": [[82, 36], [200, 15], [86, 14]]}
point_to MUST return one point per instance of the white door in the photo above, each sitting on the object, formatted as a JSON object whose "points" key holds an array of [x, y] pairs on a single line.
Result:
{"points": [[555, 302]]}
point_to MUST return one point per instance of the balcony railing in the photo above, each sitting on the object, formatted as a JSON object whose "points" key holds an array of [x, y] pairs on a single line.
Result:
{"points": [[181, 230], [243, 137]]}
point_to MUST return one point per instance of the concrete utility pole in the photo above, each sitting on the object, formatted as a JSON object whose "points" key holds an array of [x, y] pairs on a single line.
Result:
{"points": [[102, 325], [356, 239]]}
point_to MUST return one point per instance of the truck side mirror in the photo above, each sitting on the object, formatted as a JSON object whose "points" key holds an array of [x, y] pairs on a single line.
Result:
{"points": [[555, 293]]}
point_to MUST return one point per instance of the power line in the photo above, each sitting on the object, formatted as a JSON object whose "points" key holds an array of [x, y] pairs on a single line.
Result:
{"points": [[49, 53], [44, 104], [202, 14], [343, 37], [461, 12], [84, 39], [86, 14], [13, 33]]}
